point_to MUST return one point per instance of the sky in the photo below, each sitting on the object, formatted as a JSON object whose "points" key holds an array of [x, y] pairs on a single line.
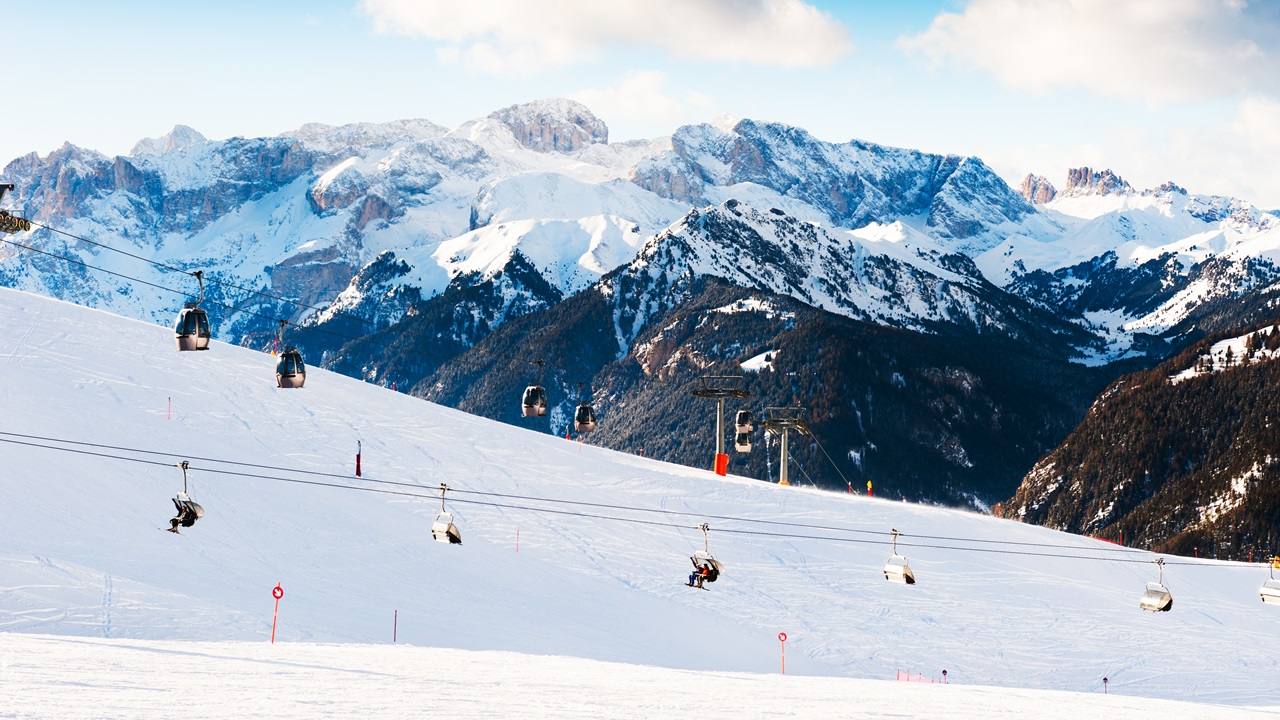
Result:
{"points": [[1182, 90]]}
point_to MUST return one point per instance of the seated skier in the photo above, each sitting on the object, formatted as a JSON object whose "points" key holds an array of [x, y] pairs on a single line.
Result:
{"points": [[700, 574], [186, 516]]}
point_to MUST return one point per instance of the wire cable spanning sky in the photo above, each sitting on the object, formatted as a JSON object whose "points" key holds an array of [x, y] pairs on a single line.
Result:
{"points": [[1183, 90]]}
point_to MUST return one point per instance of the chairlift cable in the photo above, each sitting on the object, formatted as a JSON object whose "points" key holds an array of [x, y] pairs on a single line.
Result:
{"points": [[533, 498], [735, 531]]}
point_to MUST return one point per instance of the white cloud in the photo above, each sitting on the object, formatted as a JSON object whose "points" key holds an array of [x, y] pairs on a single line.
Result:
{"points": [[640, 97], [1257, 125], [526, 36], [1155, 50]]}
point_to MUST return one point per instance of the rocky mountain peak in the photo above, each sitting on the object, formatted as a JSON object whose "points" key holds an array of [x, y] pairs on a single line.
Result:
{"points": [[1087, 181], [1037, 189], [1169, 187], [179, 137], [553, 125]]}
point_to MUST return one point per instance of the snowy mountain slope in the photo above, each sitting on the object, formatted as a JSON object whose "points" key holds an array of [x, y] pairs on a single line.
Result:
{"points": [[81, 554], [1137, 261], [309, 681], [959, 199], [300, 215], [554, 195], [890, 275]]}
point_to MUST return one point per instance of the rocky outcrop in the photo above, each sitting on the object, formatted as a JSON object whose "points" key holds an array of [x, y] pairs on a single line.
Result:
{"points": [[1037, 189], [335, 190], [1087, 181], [314, 276], [553, 125]]}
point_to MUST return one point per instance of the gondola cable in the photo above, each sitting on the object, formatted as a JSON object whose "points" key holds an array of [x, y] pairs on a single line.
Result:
{"points": [[297, 303]]}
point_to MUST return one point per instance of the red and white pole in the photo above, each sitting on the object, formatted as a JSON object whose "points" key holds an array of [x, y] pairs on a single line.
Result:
{"points": [[277, 592], [782, 638]]}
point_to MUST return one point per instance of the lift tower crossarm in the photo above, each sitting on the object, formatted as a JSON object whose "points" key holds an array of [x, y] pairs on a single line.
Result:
{"points": [[720, 388], [784, 420]]}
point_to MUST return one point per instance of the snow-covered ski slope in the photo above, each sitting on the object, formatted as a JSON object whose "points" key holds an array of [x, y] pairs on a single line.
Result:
{"points": [[305, 681], [81, 553]]}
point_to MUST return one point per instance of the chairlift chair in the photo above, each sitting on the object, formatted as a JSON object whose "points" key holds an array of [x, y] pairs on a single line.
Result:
{"points": [[744, 422], [291, 372], [188, 510], [1156, 596], [705, 566], [896, 569], [443, 529], [742, 442], [1270, 590], [191, 329]]}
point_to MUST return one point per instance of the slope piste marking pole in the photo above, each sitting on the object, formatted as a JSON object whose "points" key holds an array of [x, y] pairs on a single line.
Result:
{"points": [[782, 639], [277, 592]]}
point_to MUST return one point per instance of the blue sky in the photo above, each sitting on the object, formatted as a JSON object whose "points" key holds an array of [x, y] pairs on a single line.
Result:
{"points": [[1187, 90]]}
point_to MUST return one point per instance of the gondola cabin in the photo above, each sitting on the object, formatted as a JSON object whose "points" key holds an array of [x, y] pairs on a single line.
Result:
{"points": [[290, 371], [1156, 598], [191, 330], [744, 422], [534, 403], [742, 442], [584, 419], [444, 530], [897, 570]]}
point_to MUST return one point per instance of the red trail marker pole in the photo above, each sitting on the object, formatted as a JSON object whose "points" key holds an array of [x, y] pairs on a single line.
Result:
{"points": [[782, 638], [395, 622], [517, 539], [357, 458], [277, 592]]}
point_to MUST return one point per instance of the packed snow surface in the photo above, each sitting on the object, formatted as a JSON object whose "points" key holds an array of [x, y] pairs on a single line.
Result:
{"points": [[148, 678], [82, 557]]}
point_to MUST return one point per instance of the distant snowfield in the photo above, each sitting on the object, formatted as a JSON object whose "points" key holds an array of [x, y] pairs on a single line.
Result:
{"points": [[82, 558], [59, 677]]}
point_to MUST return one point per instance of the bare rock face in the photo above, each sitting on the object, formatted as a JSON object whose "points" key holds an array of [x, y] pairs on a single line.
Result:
{"points": [[556, 125], [1037, 189], [314, 276], [1087, 181]]}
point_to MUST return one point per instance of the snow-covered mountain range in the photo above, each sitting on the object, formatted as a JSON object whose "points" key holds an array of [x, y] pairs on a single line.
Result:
{"points": [[300, 216], [310, 215]]}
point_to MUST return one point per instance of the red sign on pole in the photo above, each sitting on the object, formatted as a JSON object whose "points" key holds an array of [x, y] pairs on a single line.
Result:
{"points": [[277, 592], [782, 638]]}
